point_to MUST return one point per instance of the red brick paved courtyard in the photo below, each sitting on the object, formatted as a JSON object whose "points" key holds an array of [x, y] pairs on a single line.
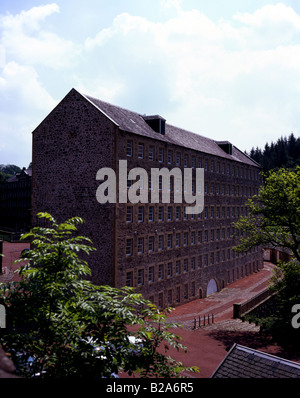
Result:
{"points": [[206, 346]]}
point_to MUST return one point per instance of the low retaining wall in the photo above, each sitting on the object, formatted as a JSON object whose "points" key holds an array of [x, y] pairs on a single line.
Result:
{"points": [[240, 309]]}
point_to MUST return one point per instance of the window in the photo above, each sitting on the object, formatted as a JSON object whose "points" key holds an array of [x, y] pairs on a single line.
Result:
{"points": [[160, 299], [185, 265], [193, 162], [141, 214], [205, 212], [151, 152], [206, 236], [206, 260], [193, 288], [170, 157], [178, 159], [151, 274], [177, 237], [177, 213], [129, 245], [150, 182], [129, 148], [170, 241], [140, 277], [151, 244], [170, 297], [186, 160], [186, 291], [151, 213], [185, 216], [161, 242], [129, 214], [160, 183], [129, 279], [199, 261], [169, 213], [160, 155], [185, 239], [193, 238], [160, 271], [178, 267], [178, 294], [141, 151], [170, 269], [160, 213], [140, 245], [193, 262], [199, 236]]}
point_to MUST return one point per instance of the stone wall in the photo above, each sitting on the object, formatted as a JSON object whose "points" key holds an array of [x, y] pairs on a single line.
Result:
{"points": [[69, 147]]}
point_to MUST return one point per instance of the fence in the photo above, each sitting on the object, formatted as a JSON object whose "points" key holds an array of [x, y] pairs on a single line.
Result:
{"points": [[242, 308]]}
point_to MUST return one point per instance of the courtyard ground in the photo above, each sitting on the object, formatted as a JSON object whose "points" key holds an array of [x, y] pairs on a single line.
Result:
{"points": [[208, 345]]}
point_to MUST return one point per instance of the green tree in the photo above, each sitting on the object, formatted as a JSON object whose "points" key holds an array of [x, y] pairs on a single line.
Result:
{"points": [[274, 219], [7, 171], [59, 324]]}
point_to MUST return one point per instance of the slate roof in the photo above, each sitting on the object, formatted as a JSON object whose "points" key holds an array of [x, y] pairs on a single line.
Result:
{"points": [[244, 362], [135, 123]]}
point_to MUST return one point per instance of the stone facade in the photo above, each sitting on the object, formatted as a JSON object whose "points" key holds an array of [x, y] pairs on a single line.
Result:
{"points": [[168, 256]]}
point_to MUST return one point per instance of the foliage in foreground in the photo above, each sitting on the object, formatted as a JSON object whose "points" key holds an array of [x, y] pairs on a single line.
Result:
{"points": [[59, 324]]}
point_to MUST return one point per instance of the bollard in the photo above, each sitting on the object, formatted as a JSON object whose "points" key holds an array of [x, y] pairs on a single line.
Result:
{"points": [[212, 318], [199, 321], [194, 323]]}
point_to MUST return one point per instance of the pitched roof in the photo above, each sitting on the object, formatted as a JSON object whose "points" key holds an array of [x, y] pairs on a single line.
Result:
{"points": [[135, 123], [244, 362]]}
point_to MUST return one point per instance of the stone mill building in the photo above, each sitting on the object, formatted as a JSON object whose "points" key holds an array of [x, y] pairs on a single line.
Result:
{"points": [[169, 256]]}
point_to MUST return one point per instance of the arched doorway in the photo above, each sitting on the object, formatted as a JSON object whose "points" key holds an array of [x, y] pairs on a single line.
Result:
{"points": [[211, 287]]}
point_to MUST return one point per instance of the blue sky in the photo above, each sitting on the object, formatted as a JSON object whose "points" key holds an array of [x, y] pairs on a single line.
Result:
{"points": [[223, 69]]}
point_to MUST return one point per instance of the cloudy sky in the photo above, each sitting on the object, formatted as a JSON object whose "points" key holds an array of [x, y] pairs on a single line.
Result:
{"points": [[224, 69]]}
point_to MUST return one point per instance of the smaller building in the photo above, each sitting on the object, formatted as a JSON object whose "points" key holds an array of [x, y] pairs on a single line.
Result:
{"points": [[15, 202], [245, 362]]}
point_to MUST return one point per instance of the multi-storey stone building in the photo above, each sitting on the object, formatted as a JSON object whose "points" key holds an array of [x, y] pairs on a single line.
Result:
{"points": [[168, 255]]}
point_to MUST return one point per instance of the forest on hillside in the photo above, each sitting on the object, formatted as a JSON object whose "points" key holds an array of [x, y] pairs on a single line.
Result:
{"points": [[283, 153]]}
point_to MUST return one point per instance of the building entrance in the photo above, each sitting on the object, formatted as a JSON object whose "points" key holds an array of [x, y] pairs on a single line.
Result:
{"points": [[211, 287]]}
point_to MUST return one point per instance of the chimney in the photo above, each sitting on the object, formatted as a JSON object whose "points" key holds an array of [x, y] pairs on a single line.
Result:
{"points": [[157, 123]]}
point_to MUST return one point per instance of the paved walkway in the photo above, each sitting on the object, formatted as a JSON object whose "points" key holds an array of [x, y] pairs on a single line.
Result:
{"points": [[207, 346], [221, 303]]}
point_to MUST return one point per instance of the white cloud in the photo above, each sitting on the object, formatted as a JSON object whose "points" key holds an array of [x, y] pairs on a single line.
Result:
{"points": [[234, 79], [24, 102], [20, 84], [25, 39], [219, 78]]}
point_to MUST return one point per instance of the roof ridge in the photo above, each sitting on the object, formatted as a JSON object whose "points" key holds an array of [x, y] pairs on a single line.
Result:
{"points": [[267, 355]]}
